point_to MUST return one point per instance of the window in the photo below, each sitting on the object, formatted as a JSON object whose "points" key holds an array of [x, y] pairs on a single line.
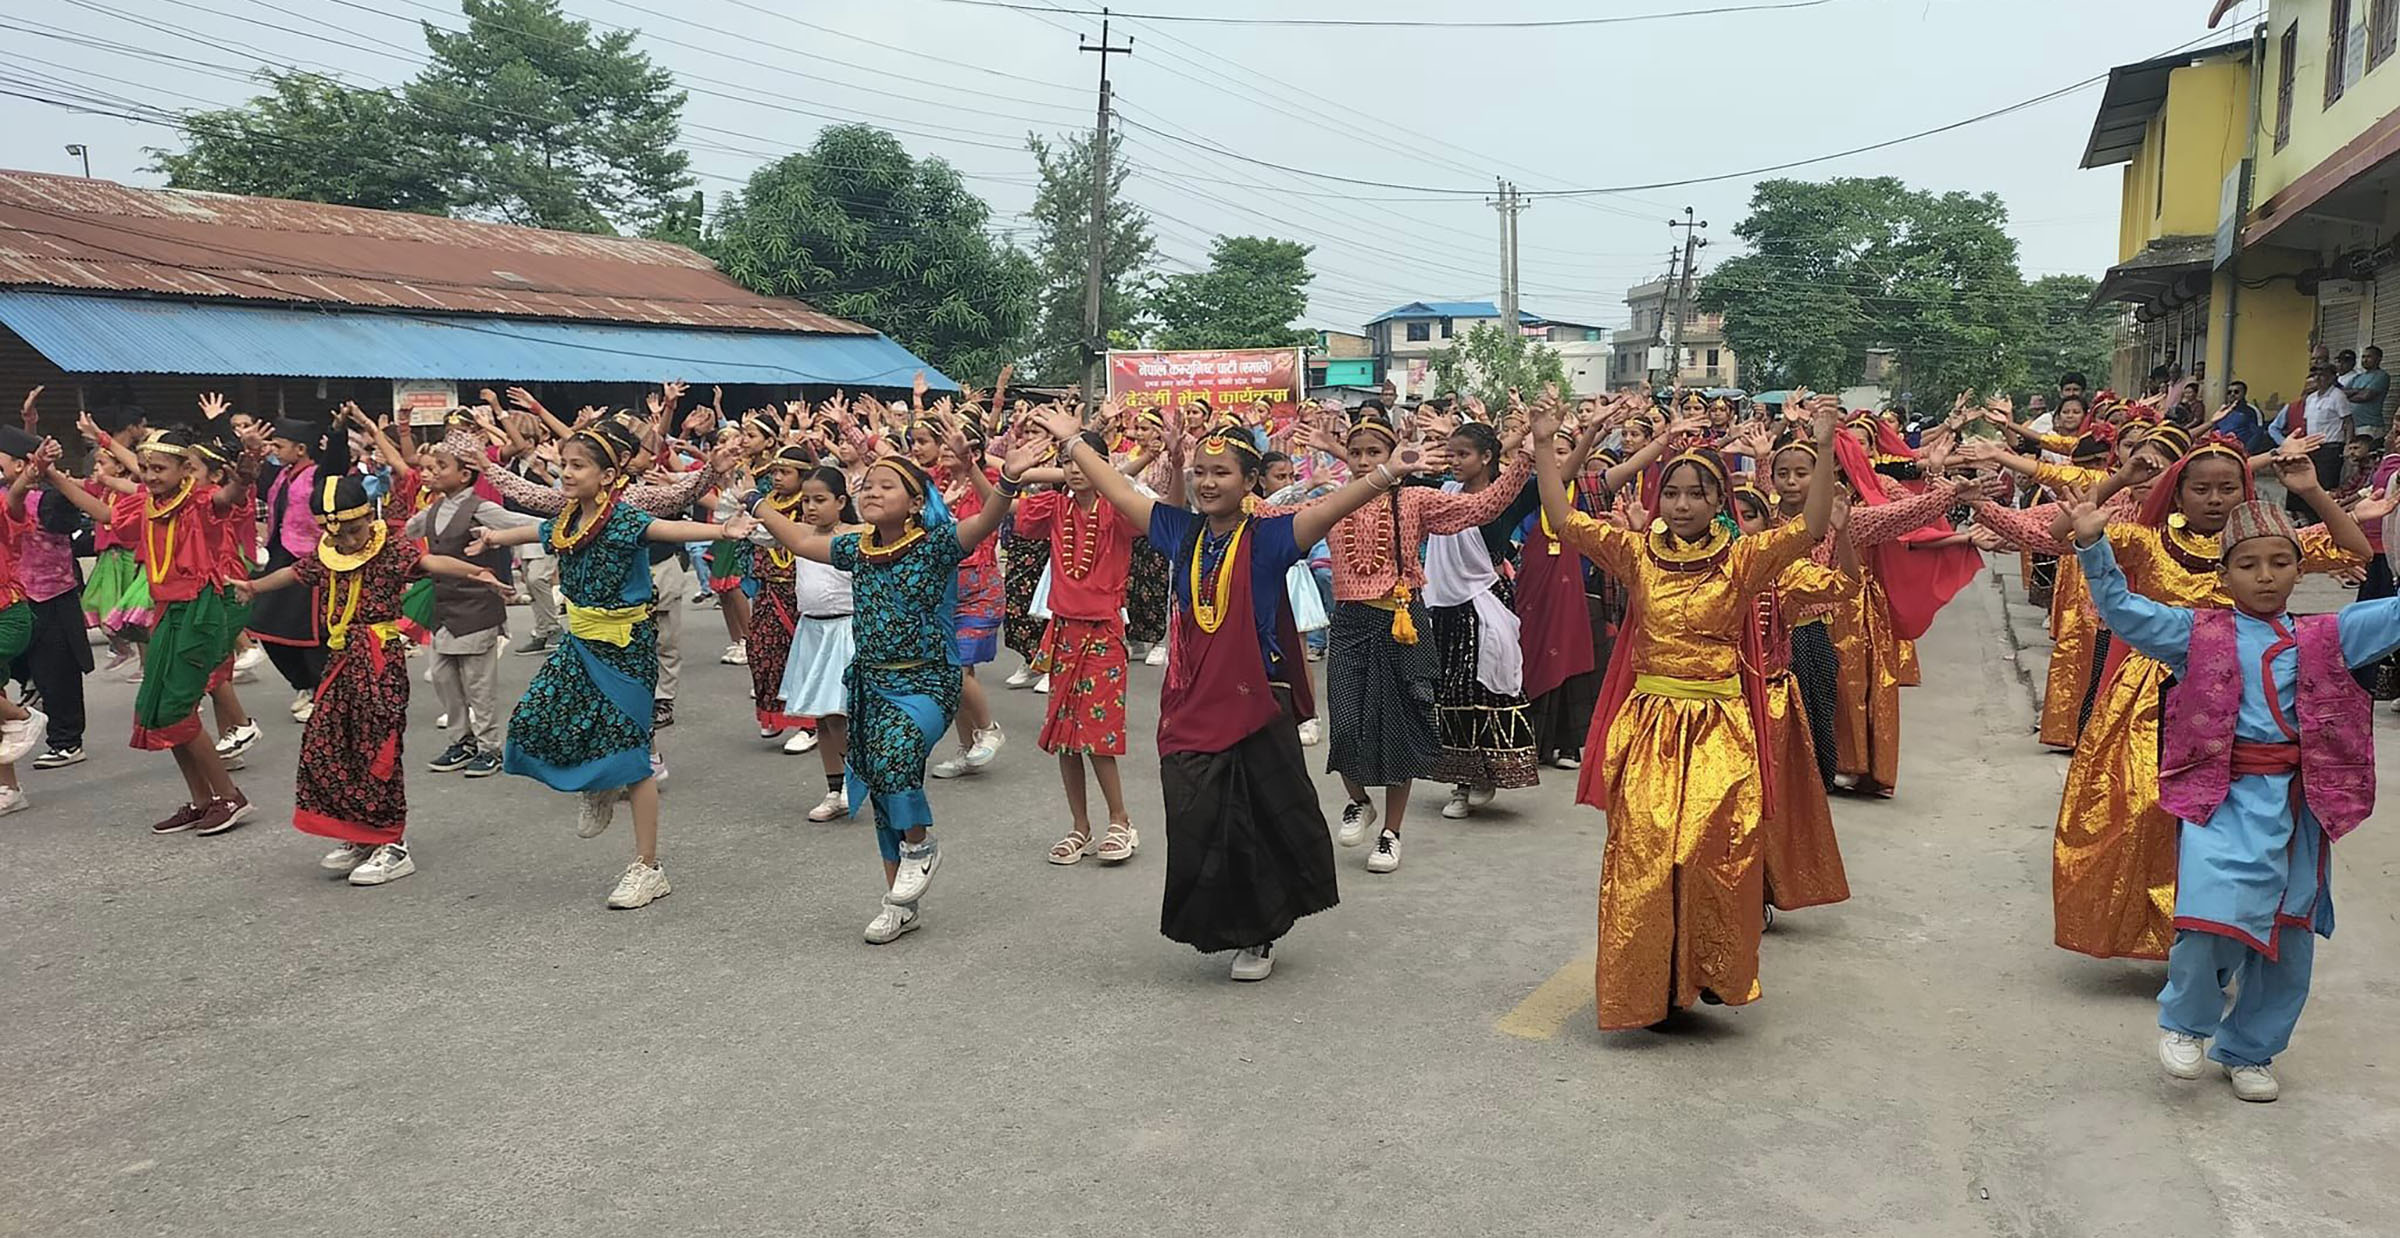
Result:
{"points": [[1712, 358], [1418, 332], [1446, 328], [2289, 56], [2383, 31], [1591, 334], [2337, 47]]}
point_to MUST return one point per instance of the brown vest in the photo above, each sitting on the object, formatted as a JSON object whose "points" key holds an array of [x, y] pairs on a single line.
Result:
{"points": [[462, 607]]}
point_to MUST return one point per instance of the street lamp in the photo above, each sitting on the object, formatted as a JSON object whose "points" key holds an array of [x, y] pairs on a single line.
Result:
{"points": [[83, 152]]}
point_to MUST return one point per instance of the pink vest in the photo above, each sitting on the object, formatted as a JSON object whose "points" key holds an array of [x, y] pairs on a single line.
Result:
{"points": [[2337, 726]]}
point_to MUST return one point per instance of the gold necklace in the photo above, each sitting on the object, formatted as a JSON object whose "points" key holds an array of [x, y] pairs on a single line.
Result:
{"points": [[885, 554], [340, 562], [1209, 611], [161, 562], [567, 534]]}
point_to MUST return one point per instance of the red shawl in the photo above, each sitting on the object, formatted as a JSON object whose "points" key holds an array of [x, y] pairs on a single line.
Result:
{"points": [[1917, 582]]}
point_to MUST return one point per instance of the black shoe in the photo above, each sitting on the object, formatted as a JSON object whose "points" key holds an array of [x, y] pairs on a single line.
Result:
{"points": [[534, 645], [662, 714], [58, 758], [484, 765], [454, 757]]}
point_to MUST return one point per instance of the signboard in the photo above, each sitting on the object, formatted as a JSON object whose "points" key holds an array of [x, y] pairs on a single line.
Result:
{"points": [[1226, 377], [2233, 202], [423, 400]]}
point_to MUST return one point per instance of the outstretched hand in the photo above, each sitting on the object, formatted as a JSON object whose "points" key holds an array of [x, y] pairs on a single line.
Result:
{"points": [[2090, 519]]}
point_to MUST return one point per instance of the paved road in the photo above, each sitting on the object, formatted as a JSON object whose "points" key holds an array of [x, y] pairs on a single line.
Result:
{"points": [[206, 1037]]}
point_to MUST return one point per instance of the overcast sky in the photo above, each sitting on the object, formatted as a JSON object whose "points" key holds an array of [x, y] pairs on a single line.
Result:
{"points": [[1443, 109]]}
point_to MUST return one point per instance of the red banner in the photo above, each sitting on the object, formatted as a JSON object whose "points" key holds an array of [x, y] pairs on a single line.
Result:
{"points": [[1229, 378]]}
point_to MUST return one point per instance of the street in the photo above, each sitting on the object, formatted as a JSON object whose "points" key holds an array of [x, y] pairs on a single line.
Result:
{"points": [[209, 1036]]}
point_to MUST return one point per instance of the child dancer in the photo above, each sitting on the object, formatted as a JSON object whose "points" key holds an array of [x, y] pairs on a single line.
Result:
{"points": [[59, 650], [1247, 854], [821, 645], [468, 620], [286, 624], [1479, 692], [116, 596], [905, 684], [2268, 756], [1681, 896], [22, 457], [585, 722], [980, 606], [177, 526], [773, 619], [1089, 546], [350, 786]]}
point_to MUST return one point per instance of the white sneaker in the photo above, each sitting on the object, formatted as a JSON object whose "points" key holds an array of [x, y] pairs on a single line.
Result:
{"points": [[1254, 962], [18, 739], [891, 922], [2181, 1055], [916, 873], [1042, 685], [599, 808], [1020, 677], [736, 654], [1459, 808], [1157, 655], [1481, 797], [391, 862], [658, 769], [1312, 732], [641, 885], [237, 741], [12, 799], [954, 767], [1386, 856], [987, 745], [345, 857], [250, 659], [304, 706], [802, 741], [2253, 1083], [834, 807], [441, 722], [1357, 815]]}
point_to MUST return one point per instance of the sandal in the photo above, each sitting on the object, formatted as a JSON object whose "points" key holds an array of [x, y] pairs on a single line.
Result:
{"points": [[1070, 849], [1119, 844]]}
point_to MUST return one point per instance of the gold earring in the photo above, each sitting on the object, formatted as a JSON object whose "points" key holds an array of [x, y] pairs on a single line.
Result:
{"points": [[1658, 524]]}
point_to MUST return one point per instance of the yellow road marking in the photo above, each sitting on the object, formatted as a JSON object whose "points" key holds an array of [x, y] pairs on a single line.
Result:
{"points": [[1547, 1009]]}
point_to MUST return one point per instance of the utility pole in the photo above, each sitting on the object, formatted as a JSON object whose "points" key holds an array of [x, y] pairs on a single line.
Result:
{"points": [[1680, 292], [1666, 306], [1095, 384], [1510, 203]]}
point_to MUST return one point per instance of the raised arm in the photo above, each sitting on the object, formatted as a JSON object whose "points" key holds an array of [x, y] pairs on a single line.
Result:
{"points": [[2299, 475], [1113, 486], [2163, 632], [100, 510], [794, 536], [1873, 526], [530, 495], [1311, 523], [1456, 513]]}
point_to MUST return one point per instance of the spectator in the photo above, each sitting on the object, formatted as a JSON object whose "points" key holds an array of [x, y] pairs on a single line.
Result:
{"points": [[2071, 385], [2325, 415], [2239, 418], [2369, 389], [2188, 411]]}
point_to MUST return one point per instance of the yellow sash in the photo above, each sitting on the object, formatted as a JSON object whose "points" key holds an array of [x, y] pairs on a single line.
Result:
{"points": [[1688, 689], [608, 625], [384, 633]]}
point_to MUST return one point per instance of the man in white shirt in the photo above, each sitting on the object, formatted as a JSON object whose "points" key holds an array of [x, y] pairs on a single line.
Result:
{"points": [[2325, 413]]}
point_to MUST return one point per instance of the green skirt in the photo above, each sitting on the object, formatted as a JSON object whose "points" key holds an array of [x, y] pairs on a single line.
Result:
{"points": [[16, 629], [116, 596], [188, 643], [416, 610]]}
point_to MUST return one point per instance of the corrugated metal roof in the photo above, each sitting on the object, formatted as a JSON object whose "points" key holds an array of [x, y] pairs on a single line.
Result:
{"points": [[111, 335], [1452, 309], [100, 236]]}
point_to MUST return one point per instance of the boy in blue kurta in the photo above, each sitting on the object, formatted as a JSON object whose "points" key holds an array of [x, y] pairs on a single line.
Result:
{"points": [[2267, 756]]}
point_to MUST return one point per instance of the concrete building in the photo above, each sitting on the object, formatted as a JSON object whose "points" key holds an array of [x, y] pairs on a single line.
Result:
{"points": [[1639, 353], [1341, 359], [112, 295], [1403, 342]]}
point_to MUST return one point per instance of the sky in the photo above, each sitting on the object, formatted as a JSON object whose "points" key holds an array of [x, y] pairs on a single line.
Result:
{"points": [[1218, 115]]}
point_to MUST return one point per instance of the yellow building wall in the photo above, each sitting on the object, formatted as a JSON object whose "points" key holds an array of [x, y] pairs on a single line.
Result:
{"points": [[2317, 131], [2198, 136], [2269, 327]]}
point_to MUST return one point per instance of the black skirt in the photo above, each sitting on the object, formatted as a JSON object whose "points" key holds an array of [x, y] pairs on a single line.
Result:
{"points": [[1814, 669], [1379, 693], [1562, 717], [285, 616], [1487, 739], [1247, 848], [1146, 594]]}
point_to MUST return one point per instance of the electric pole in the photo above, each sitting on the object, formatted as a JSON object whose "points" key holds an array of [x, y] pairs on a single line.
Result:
{"points": [[1680, 292], [1666, 306], [1095, 384], [1510, 203]]}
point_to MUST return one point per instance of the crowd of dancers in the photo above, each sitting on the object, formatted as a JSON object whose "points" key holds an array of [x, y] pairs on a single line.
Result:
{"points": [[1705, 611]]}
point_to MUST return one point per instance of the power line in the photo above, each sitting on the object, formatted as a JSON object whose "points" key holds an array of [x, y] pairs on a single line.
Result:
{"points": [[1553, 23]]}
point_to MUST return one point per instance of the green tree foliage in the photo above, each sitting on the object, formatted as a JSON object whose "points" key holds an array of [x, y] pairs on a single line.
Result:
{"points": [[1247, 298], [860, 230], [526, 116], [1838, 267], [2067, 335], [1062, 222], [312, 139], [1490, 361]]}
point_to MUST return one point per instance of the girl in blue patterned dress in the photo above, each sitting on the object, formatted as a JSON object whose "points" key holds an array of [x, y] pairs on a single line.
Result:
{"points": [[903, 686], [584, 723]]}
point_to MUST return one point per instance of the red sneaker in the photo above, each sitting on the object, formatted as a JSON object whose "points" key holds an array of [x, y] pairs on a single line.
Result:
{"points": [[185, 818], [224, 814]]}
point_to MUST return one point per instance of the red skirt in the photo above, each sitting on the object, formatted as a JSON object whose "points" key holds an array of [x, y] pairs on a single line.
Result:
{"points": [[1087, 686], [350, 785], [771, 623]]}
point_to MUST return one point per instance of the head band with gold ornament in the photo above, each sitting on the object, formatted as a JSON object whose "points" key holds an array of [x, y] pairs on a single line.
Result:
{"points": [[2173, 436], [1708, 463], [906, 470], [1373, 426], [1231, 438], [612, 451], [795, 457]]}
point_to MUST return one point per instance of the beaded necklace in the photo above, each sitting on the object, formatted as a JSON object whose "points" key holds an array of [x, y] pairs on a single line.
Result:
{"points": [[1208, 610], [161, 562], [873, 553], [1079, 539], [566, 534], [345, 567], [2195, 552], [778, 557]]}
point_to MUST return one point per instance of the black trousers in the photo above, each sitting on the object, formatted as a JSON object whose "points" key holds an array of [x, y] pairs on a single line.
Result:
{"points": [[301, 666], [56, 661]]}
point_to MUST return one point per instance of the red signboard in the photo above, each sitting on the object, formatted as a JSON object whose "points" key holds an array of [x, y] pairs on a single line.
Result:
{"points": [[1228, 378]]}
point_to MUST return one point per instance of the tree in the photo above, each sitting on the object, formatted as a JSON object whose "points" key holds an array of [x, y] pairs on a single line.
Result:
{"points": [[1062, 221], [2068, 335], [1247, 298], [859, 229], [312, 139], [547, 125], [1842, 266], [1489, 361]]}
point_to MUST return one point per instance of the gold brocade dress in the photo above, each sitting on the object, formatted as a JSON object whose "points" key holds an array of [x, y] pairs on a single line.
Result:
{"points": [[2112, 859], [1875, 663], [1681, 895], [1803, 858]]}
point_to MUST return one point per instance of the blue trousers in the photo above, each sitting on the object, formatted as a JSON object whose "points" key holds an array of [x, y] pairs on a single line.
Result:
{"points": [[2202, 966]]}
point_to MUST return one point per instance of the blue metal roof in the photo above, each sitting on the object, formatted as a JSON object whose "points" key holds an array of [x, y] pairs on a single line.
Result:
{"points": [[125, 335], [1452, 309]]}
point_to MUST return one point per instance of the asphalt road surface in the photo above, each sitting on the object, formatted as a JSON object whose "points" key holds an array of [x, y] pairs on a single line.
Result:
{"points": [[208, 1036]]}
